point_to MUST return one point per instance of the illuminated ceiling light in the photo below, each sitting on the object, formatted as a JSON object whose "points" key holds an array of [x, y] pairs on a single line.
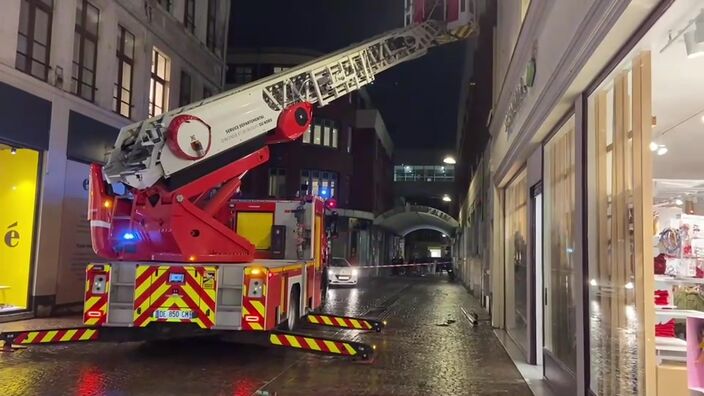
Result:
{"points": [[446, 198], [13, 151], [449, 160], [593, 282], [653, 146], [662, 150], [679, 202], [629, 285], [702, 118]]}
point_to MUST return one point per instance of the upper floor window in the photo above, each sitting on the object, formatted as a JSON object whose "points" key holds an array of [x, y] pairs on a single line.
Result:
{"points": [[279, 69], [277, 182], [85, 50], [189, 15], [167, 4], [424, 173], [207, 92], [122, 92], [322, 132], [158, 87], [211, 28], [241, 74], [34, 38], [184, 93], [321, 183]]}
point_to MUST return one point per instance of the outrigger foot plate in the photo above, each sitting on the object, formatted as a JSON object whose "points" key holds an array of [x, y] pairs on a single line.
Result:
{"points": [[345, 322], [326, 346]]}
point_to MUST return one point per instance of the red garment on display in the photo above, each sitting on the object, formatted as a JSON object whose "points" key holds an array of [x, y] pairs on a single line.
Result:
{"points": [[662, 297], [666, 329], [660, 264]]}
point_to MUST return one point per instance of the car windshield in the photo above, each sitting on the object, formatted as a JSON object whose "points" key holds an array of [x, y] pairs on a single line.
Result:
{"points": [[339, 262]]}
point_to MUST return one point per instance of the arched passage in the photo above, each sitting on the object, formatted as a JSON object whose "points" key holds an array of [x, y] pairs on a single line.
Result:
{"points": [[406, 219]]}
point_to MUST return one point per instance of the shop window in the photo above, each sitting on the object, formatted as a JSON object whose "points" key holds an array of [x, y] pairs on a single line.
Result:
{"points": [[18, 172], [559, 246], [189, 15], [158, 88], [85, 50], [34, 37], [184, 95], [516, 259], [279, 69], [277, 182], [122, 91]]}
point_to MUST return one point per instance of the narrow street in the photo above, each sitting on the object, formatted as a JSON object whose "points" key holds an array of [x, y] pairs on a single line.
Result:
{"points": [[428, 348]]}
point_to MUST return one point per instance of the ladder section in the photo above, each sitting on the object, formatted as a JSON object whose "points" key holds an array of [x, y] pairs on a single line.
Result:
{"points": [[348, 70]]}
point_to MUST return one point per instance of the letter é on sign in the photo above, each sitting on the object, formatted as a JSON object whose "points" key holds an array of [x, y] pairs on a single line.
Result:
{"points": [[12, 237]]}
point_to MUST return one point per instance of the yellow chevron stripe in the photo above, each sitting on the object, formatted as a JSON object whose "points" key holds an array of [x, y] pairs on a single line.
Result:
{"points": [[68, 336], [274, 339], [87, 335], [312, 344], [245, 311], [326, 320], [349, 348], [312, 319], [293, 341], [341, 322], [256, 326], [331, 346], [91, 321], [356, 323], [49, 336], [91, 302], [259, 307], [30, 337]]}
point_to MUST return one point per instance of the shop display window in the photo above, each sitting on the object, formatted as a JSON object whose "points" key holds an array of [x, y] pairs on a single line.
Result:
{"points": [[18, 190]]}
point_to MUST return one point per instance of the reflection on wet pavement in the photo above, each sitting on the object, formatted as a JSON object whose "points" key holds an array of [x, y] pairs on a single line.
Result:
{"points": [[413, 357]]}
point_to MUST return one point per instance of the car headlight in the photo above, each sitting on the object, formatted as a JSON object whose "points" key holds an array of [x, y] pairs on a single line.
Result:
{"points": [[330, 273], [355, 272]]}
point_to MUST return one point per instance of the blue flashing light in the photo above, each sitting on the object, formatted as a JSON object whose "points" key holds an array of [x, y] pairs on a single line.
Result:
{"points": [[323, 193], [128, 236]]}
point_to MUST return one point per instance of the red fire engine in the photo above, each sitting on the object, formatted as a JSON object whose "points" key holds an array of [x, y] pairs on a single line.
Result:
{"points": [[182, 257]]}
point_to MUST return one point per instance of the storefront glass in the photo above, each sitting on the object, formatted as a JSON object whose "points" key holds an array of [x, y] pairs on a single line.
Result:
{"points": [[18, 188], [646, 172], [516, 259], [559, 241]]}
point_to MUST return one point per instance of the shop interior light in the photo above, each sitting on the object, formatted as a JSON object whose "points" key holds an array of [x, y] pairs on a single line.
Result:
{"points": [[449, 160], [662, 150], [679, 202], [446, 198], [13, 151], [694, 39], [593, 282], [702, 118], [629, 285], [653, 146]]}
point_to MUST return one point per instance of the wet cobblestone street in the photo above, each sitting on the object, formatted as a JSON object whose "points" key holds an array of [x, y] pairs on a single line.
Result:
{"points": [[428, 348]]}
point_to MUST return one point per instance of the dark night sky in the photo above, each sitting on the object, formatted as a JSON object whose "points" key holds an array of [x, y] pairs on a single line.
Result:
{"points": [[418, 99]]}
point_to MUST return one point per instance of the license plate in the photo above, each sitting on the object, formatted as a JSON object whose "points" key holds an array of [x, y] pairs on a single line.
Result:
{"points": [[173, 314]]}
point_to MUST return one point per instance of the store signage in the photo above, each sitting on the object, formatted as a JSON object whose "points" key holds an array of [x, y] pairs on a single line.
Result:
{"points": [[520, 92], [12, 236]]}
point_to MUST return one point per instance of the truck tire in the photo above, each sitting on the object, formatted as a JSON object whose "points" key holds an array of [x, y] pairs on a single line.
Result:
{"points": [[294, 309]]}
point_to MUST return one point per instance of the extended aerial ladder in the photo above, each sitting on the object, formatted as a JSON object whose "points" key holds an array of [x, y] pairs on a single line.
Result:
{"points": [[182, 169]]}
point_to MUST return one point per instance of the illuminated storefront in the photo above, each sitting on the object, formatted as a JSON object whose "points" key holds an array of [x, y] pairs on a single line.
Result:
{"points": [[18, 196]]}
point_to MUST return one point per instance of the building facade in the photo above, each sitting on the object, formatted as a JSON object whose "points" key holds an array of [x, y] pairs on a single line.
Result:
{"points": [[72, 72], [346, 155], [593, 181]]}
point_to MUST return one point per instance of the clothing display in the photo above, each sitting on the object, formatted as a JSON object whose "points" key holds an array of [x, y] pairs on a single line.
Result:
{"points": [[666, 329], [662, 297]]}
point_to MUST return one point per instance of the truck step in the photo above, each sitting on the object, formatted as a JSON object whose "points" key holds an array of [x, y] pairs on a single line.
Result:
{"points": [[326, 346], [50, 336], [345, 322]]}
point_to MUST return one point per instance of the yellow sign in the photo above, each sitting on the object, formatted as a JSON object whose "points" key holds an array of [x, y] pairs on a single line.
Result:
{"points": [[18, 189]]}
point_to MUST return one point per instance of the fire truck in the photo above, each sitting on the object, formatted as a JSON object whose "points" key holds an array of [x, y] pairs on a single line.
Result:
{"points": [[182, 257]]}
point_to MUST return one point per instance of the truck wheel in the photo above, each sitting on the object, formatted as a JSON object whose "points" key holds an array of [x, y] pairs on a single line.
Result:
{"points": [[294, 309]]}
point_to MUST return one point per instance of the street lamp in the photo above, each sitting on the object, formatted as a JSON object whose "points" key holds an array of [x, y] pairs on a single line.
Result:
{"points": [[449, 160], [446, 198]]}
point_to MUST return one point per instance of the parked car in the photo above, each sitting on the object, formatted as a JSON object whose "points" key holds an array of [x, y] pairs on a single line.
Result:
{"points": [[341, 272]]}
